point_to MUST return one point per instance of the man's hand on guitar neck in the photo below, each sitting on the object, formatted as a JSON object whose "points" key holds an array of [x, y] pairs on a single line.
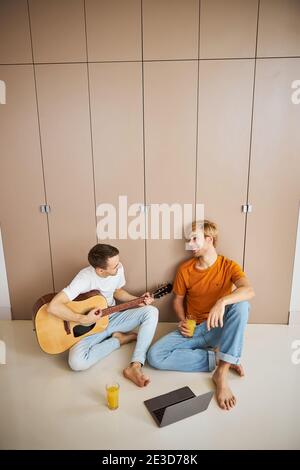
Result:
{"points": [[92, 317], [148, 299]]}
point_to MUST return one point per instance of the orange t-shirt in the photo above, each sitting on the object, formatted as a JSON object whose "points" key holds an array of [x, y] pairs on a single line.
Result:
{"points": [[204, 287]]}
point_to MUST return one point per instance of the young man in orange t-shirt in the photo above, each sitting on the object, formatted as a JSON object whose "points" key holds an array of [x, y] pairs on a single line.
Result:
{"points": [[203, 292]]}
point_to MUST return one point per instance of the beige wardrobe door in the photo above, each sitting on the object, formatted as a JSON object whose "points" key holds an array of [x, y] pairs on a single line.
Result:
{"points": [[66, 145], [170, 29], [113, 30], [225, 104], [170, 160], [274, 189], [24, 227], [228, 29], [279, 28], [58, 30], [15, 46], [117, 125]]}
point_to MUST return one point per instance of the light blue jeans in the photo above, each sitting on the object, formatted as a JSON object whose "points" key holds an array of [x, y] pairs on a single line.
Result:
{"points": [[176, 352], [95, 347]]}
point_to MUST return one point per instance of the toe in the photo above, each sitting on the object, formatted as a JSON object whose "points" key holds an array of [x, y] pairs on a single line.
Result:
{"points": [[222, 404]]}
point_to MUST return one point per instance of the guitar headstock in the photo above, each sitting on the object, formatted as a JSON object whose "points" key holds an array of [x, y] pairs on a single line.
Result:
{"points": [[162, 290]]}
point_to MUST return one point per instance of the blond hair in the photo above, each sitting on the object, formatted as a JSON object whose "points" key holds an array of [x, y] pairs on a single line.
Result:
{"points": [[209, 228]]}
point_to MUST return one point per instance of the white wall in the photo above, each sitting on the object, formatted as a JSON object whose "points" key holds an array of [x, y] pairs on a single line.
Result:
{"points": [[5, 312]]}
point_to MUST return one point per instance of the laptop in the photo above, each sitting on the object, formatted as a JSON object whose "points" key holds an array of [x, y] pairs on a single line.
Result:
{"points": [[176, 405]]}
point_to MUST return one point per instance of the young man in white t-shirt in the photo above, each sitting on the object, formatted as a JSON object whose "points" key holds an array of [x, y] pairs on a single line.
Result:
{"points": [[106, 274]]}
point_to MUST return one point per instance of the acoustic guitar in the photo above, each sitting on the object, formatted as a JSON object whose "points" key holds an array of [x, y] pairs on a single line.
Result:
{"points": [[55, 335]]}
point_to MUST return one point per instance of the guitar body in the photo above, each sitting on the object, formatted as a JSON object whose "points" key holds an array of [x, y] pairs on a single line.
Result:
{"points": [[55, 335]]}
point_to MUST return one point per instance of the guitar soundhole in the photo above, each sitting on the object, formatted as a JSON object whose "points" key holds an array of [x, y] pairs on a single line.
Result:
{"points": [[80, 330]]}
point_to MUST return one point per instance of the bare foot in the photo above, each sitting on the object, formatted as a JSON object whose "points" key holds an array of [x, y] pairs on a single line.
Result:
{"points": [[135, 374], [125, 338], [225, 398]]}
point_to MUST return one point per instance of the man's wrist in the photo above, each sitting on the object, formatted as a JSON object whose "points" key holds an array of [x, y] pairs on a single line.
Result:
{"points": [[222, 302], [180, 318]]}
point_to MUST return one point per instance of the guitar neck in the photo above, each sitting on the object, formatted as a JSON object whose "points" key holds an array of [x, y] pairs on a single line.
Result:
{"points": [[123, 306]]}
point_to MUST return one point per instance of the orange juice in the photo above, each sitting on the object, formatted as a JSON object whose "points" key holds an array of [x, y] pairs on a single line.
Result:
{"points": [[112, 396], [191, 324]]}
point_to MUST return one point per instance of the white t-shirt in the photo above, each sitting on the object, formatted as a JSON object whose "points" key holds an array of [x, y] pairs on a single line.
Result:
{"points": [[87, 279]]}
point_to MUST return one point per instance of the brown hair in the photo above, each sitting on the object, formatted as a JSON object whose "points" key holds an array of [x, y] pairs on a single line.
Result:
{"points": [[209, 228], [100, 253]]}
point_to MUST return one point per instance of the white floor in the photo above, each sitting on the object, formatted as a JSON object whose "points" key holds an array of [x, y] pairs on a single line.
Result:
{"points": [[44, 405]]}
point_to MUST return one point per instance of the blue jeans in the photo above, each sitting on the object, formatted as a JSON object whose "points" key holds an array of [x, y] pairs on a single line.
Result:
{"points": [[93, 348], [176, 352]]}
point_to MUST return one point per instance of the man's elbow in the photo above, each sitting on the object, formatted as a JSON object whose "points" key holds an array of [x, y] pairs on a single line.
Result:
{"points": [[52, 308], [251, 293]]}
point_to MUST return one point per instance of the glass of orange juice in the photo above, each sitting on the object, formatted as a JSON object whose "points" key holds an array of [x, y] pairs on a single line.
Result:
{"points": [[112, 395], [191, 324]]}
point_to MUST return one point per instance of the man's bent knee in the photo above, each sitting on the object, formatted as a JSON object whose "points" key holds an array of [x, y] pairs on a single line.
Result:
{"points": [[151, 312], [153, 357], [243, 309], [76, 364]]}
